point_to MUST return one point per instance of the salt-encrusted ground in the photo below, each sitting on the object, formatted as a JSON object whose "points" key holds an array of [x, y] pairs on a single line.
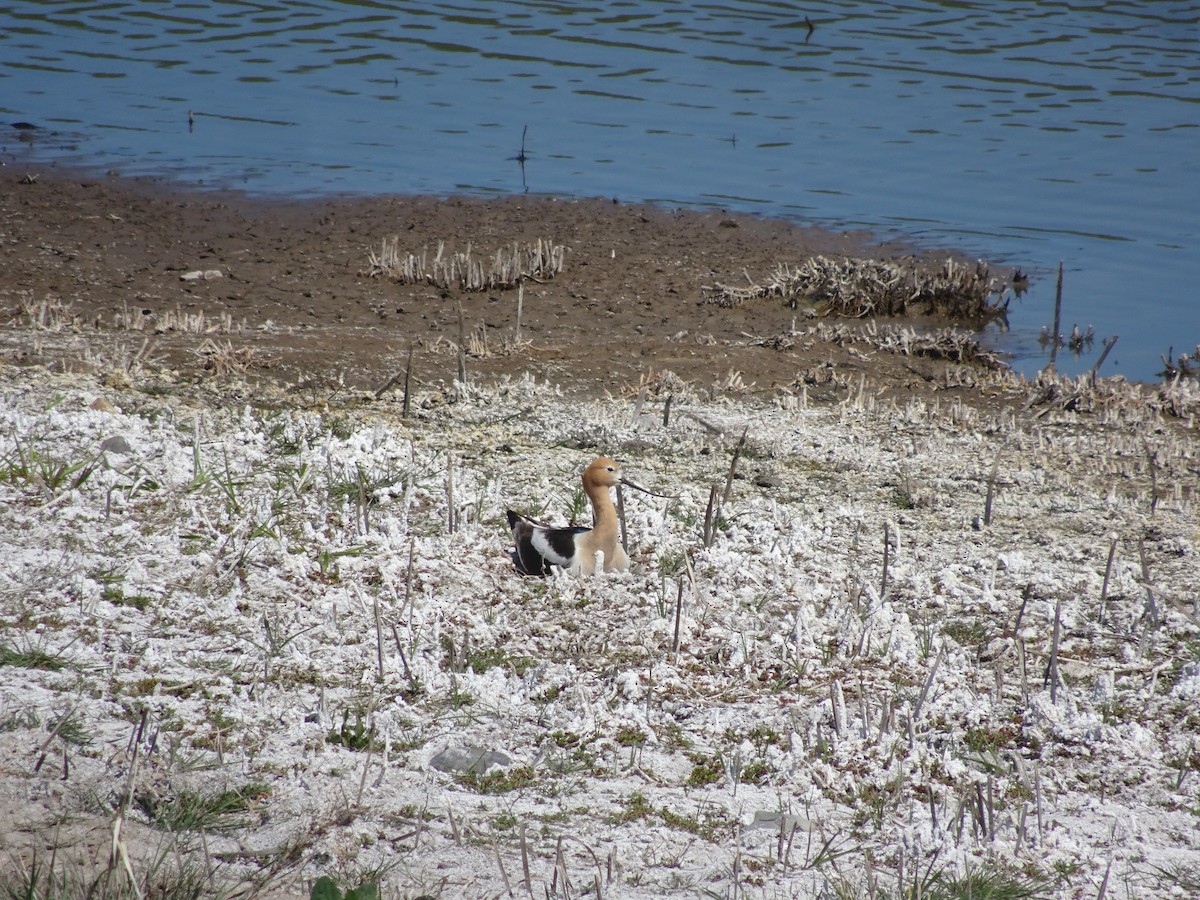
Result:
{"points": [[247, 621]]}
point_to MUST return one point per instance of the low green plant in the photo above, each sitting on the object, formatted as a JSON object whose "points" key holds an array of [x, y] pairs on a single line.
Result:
{"points": [[498, 781], [353, 737], [482, 660], [326, 560], [195, 811], [630, 736], [636, 807], [325, 888], [30, 658], [706, 770], [989, 881]]}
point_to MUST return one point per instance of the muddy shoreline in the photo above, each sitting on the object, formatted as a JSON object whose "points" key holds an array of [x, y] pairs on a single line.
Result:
{"points": [[104, 260]]}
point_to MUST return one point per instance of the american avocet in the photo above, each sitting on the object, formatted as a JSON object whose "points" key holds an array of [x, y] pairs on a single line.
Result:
{"points": [[538, 547]]}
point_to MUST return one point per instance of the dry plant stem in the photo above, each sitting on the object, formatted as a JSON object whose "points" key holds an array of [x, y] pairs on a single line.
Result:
{"points": [[709, 512], [991, 491], [525, 862], [1104, 882], [928, 683], [362, 500], [408, 577], [451, 518], [520, 308], [462, 348], [678, 619], [403, 659], [503, 874], [1025, 595], [1151, 604], [887, 552], [118, 853], [1051, 676], [389, 384], [1056, 336], [666, 420], [733, 463], [362, 781], [406, 407], [1108, 345], [378, 639], [1152, 465], [1112, 552], [641, 401], [560, 868]]}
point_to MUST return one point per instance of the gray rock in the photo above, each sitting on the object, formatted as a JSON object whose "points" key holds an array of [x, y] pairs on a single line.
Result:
{"points": [[469, 759], [116, 444]]}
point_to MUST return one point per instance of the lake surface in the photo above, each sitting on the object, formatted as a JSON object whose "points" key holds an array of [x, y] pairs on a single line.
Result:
{"points": [[1026, 133]]}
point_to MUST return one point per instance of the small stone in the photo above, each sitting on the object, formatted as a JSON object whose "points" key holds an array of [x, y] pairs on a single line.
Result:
{"points": [[202, 275], [116, 444], [469, 759]]}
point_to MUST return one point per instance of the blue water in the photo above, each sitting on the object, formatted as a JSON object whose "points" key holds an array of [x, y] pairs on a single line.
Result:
{"points": [[1026, 133]]}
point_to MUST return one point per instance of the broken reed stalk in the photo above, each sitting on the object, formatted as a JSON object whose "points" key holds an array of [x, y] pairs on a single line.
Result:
{"points": [[1057, 335], [362, 500], [991, 490], [1152, 464], [1151, 604], [1104, 882], [525, 862], [640, 402], [362, 781], [378, 639], [737, 452], [710, 513], [462, 348], [408, 675], [928, 683], [404, 409], [887, 551], [1108, 345], [560, 869], [408, 577], [1112, 552], [678, 619], [1051, 676], [520, 306], [389, 384], [503, 874], [451, 518]]}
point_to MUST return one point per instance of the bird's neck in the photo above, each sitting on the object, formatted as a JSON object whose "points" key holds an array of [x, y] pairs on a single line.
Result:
{"points": [[603, 512]]}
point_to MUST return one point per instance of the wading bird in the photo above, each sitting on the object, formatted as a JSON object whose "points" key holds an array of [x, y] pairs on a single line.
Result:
{"points": [[538, 547]]}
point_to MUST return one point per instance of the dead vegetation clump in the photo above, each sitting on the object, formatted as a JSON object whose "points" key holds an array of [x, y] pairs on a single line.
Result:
{"points": [[857, 288], [50, 314], [949, 344], [223, 359], [464, 271], [177, 320], [1114, 399], [1182, 366]]}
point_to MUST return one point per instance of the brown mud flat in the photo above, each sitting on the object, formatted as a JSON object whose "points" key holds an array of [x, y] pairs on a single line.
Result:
{"points": [[295, 305]]}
